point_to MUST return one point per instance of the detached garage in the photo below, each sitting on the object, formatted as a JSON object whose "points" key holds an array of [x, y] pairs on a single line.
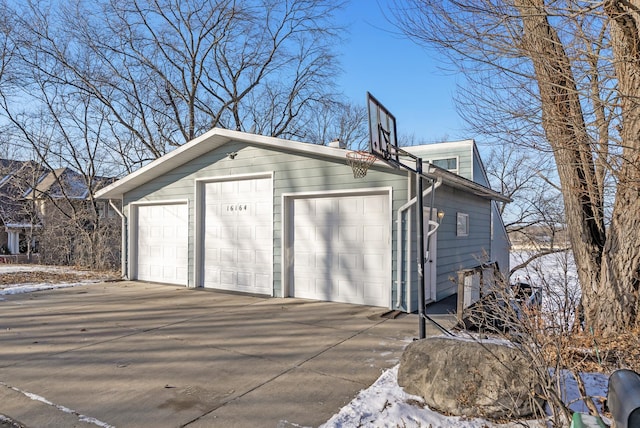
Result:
{"points": [[246, 213]]}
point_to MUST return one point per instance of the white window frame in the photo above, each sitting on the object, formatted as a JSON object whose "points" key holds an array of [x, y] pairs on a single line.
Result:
{"points": [[454, 170], [462, 224]]}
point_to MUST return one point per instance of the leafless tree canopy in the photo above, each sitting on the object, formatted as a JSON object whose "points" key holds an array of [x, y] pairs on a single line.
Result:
{"points": [[104, 87], [560, 77], [149, 75]]}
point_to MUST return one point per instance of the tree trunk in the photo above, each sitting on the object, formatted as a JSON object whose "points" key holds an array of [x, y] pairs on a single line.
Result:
{"points": [[608, 266], [621, 261]]}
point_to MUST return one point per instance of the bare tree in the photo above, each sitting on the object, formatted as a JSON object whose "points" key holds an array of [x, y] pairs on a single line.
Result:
{"points": [[164, 71], [346, 122], [561, 77], [535, 217]]}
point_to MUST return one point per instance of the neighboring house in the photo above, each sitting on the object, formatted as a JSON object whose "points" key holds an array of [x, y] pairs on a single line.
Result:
{"points": [[243, 212], [18, 219], [40, 209]]}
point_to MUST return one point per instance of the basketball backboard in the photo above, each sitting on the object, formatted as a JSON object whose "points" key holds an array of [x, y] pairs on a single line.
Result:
{"points": [[382, 131]]}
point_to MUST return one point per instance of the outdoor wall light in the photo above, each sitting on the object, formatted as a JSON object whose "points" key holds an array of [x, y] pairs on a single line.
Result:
{"points": [[232, 155], [440, 216]]}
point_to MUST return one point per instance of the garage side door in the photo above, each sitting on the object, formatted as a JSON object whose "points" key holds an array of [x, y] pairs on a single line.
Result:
{"points": [[342, 249], [162, 243], [238, 235]]}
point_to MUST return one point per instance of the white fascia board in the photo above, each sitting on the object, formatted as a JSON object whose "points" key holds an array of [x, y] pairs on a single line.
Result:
{"points": [[204, 144], [428, 148]]}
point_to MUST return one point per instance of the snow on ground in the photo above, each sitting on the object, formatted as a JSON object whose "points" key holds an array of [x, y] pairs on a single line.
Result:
{"points": [[383, 404], [30, 287]]}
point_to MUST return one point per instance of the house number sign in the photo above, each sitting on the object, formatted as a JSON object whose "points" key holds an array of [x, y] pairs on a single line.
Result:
{"points": [[237, 208]]}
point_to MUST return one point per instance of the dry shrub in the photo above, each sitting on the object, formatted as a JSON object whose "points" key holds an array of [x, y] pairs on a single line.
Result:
{"points": [[552, 344], [588, 352]]}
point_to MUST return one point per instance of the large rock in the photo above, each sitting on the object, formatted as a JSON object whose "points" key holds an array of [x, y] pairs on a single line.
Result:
{"points": [[469, 378]]}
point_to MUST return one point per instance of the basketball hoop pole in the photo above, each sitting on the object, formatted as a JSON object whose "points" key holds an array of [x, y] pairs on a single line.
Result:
{"points": [[383, 145], [420, 220]]}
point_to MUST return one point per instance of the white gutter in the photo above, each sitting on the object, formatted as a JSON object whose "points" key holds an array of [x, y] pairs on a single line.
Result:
{"points": [[123, 257], [402, 209]]}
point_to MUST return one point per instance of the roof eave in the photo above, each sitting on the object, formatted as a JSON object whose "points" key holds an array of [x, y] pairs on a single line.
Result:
{"points": [[462, 183], [218, 137], [197, 147]]}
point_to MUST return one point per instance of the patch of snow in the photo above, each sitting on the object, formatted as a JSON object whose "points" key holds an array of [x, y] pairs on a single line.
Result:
{"points": [[7, 289], [11, 268], [595, 384], [30, 288], [385, 404]]}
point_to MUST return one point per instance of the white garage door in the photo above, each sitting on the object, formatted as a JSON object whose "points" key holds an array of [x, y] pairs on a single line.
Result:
{"points": [[162, 237], [342, 250], [238, 235]]}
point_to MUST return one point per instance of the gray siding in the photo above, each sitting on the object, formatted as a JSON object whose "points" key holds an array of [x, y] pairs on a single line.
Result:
{"points": [[463, 150], [461, 252], [500, 245], [455, 252], [478, 171]]}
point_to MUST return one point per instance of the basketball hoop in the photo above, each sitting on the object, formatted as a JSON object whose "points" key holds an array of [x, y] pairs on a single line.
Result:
{"points": [[360, 161]]}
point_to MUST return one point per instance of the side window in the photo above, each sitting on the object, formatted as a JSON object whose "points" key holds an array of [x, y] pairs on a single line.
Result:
{"points": [[450, 164], [462, 224]]}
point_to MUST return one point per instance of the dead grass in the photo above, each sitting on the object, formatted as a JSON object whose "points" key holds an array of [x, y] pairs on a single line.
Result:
{"points": [[53, 277], [585, 352]]}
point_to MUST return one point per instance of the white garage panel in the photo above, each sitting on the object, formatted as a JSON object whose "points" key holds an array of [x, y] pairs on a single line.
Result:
{"points": [[342, 249], [238, 235], [162, 235]]}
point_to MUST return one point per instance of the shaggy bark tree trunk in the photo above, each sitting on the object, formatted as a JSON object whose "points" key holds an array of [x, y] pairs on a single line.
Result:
{"points": [[621, 258], [608, 261]]}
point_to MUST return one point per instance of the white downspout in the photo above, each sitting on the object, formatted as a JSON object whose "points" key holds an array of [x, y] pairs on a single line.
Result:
{"points": [[123, 256], [402, 209]]}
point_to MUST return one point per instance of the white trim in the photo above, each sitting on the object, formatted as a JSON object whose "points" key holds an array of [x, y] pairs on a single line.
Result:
{"points": [[133, 232], [160, 202], [286, 243], [217, 137], [456, 157], [234, 177], [8, 226], [340, 192], [431, 294]]}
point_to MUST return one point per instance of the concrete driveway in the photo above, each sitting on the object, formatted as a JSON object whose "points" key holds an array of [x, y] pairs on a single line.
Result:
{"points": [[131, 354]]}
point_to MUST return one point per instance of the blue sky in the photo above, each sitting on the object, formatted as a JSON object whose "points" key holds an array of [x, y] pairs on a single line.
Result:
{"points": [[403, 76]]}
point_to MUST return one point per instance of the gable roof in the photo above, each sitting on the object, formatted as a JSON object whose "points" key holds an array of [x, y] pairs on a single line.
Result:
{"points": [[21, 181], [217, 137], [61, 183]]}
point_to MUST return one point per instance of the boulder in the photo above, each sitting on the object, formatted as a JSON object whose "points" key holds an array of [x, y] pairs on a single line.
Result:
{"points": [[470, 378]]}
